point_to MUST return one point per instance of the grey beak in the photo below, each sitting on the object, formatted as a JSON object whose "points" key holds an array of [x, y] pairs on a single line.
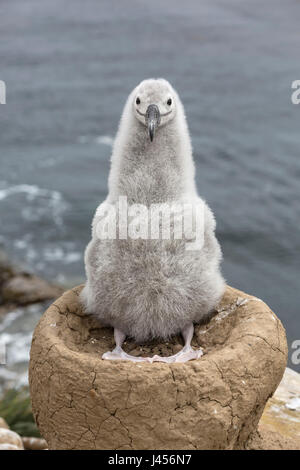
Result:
{"points": [[152, 118]]}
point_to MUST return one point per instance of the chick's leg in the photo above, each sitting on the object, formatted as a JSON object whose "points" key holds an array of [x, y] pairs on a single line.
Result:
{"points": [[187, 353], [118, 354]]}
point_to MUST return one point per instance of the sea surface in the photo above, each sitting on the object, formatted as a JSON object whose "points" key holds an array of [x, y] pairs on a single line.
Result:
{"points": [[69, 66]]}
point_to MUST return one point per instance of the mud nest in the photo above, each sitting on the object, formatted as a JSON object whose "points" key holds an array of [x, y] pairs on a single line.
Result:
{"points": [[82, 402]]}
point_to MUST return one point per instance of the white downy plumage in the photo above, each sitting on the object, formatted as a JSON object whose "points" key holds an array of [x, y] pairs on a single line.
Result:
{"points": [[147, 288]]}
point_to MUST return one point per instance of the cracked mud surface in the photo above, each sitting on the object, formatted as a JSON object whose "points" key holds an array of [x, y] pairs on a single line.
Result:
{"points": [[83, 402]]}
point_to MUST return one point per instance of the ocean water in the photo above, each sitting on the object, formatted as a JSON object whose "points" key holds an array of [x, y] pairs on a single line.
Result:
{"points": [[69, 66]]}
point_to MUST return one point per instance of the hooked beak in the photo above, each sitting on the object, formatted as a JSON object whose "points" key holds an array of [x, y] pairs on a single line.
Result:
{"points": [[152, 118]]}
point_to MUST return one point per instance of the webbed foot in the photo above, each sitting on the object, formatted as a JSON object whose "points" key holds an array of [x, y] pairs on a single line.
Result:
{"points": [[186, 354], [118, 354]]}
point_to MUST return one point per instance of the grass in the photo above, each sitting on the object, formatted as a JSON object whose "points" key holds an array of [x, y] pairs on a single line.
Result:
{"points": [[15, 408]]}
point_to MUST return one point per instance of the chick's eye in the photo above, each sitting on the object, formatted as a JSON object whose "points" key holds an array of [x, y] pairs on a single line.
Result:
{"points": [[169, 102], [138, 101]]}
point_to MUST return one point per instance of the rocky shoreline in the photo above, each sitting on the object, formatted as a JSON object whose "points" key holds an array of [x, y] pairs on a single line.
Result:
{"points": [[279, 426], [18, 287], [10, 440], [23, 298]]}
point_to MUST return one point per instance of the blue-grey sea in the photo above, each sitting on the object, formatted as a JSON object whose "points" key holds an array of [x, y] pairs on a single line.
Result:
{"points": [[69, 66]]}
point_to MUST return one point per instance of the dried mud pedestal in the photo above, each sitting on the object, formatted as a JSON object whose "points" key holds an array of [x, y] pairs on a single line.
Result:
{"points": [[82, 402]]}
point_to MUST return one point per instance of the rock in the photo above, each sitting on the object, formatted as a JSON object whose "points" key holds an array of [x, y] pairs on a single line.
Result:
{"points": [[8, 437], [282, 413], [34, 443], [28, 443], [266, 438], [18, 287], [82, 402], [26, 289], [9, 447], [6, 269], [3, 424]]}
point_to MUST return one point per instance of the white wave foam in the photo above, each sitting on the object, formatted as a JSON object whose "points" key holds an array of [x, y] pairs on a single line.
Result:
{"points": [[52, 254], [51, 200], [13, 379], [17, 347], [100, 139], [32, 192], [105, 140], [15, 339], [10, 318]]}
